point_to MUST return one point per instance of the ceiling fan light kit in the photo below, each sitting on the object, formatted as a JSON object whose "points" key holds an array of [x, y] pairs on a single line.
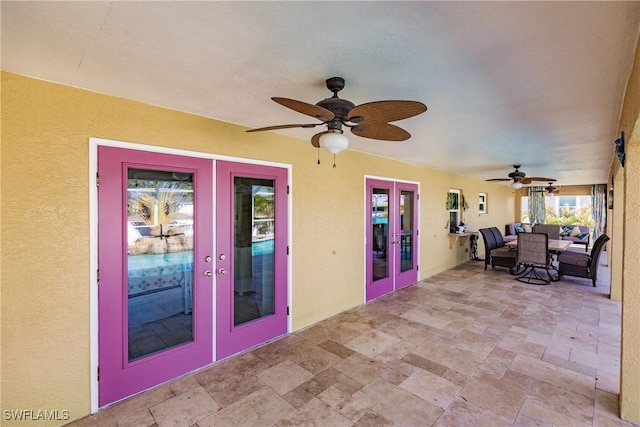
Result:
{"points": [[334, 141], [369, 120], [517, 185]]}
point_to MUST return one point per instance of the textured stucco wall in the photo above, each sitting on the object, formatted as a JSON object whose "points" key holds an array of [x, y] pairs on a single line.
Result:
{"points": [[630, 358], [45, 224]]}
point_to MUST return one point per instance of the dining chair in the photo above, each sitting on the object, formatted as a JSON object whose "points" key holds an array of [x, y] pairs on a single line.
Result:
{"points": [[579, 264], [495, 251], [551, 230], [533, 254]]}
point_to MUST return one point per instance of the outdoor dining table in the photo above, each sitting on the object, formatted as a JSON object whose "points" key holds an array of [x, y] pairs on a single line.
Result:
{"points": [[555, 247]]}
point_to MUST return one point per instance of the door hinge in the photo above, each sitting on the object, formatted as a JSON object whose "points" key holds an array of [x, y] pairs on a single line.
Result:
{"points": [[98, 372], [287, 250], [288, 313], [98, 276], [418, 196], [417, 232], [97, 180], [287, 189], [417, 268]]}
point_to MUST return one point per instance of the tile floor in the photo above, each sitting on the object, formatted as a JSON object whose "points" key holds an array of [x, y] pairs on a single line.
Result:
{"points": [[466, 347]]}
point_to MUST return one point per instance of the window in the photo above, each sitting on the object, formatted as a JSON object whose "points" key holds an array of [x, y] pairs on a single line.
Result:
{"points": [[482, 203], [562, 210], [453, 206]]}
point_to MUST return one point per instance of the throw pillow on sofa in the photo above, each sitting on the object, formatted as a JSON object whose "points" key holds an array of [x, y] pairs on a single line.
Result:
{"points": [[575, 232], [584, 235], [527, 228], [518, 228]]}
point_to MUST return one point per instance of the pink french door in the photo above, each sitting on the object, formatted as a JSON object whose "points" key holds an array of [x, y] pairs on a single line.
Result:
{"points": [[251, 258], [154, 251], [391, 251], [158, 269]]}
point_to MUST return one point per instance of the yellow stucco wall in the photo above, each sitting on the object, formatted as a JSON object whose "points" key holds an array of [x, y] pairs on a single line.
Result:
{"points": [[45, 221], [630, 268]]}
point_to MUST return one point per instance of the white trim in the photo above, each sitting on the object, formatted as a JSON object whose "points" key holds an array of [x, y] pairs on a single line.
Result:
{"points": [[94, 143]]}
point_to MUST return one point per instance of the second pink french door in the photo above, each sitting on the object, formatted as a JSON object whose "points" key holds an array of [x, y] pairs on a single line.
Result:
{"points": [[251, 256], [391, 251]]}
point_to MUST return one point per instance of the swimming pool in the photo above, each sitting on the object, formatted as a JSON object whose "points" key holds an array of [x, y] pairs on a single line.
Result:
{"points": [[261, 247]]}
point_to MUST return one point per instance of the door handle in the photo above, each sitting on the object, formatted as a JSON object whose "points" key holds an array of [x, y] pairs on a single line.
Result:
{"points": [[222, 270], [207, 273]]}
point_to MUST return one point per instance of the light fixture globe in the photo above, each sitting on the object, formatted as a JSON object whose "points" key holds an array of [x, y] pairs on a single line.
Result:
{"points": [[334, 141], [517, 185]]}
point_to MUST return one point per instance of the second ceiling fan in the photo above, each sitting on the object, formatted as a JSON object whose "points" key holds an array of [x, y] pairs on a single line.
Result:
{"points": [[520, 178]]}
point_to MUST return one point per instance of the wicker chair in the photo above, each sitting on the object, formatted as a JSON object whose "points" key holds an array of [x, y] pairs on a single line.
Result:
{"points": [[551, 230], [533, 254], [579, 264], [495, 252]]}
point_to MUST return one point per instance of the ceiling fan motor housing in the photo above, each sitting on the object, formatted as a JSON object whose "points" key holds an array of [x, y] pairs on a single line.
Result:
{"points": [[339, 107]]}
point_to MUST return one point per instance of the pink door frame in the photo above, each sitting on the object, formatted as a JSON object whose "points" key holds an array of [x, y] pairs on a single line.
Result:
{"points": [[231, 339], [396, 279], [119, 377]]}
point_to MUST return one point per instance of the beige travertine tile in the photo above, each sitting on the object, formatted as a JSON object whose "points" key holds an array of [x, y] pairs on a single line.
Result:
{"points": [[315, 413], [284, 377], [553, 374], [331, 377], [443, 353], [184, 409], [458, 413], [397, 405], [487, 419], [372, 343], [335, 348], [261, 408], [298, 397], [135, 411], [489, 350], [542, 415], [343, 403], [371, 419], [360, 368], [495, 394], [431, 388]]}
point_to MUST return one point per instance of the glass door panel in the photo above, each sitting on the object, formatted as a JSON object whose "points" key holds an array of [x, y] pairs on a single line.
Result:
{"points": [[159, 260], [254, 230], [380, 233], [406, 230]]}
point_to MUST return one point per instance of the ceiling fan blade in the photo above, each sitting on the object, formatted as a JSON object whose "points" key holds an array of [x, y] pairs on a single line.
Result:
{"points": [[382, 131], [498, 179], [319, 113], [311, 125], [530, 179], [385, 111]]}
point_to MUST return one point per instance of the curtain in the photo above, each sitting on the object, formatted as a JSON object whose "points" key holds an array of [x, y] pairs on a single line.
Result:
{"points": [[599, 208], [537, 206]]}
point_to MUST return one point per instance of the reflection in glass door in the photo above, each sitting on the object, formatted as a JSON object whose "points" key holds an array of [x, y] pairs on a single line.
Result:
{"points": [[380, 231], [254, 231], [391, 236], [406, 269], [159, 260]]}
